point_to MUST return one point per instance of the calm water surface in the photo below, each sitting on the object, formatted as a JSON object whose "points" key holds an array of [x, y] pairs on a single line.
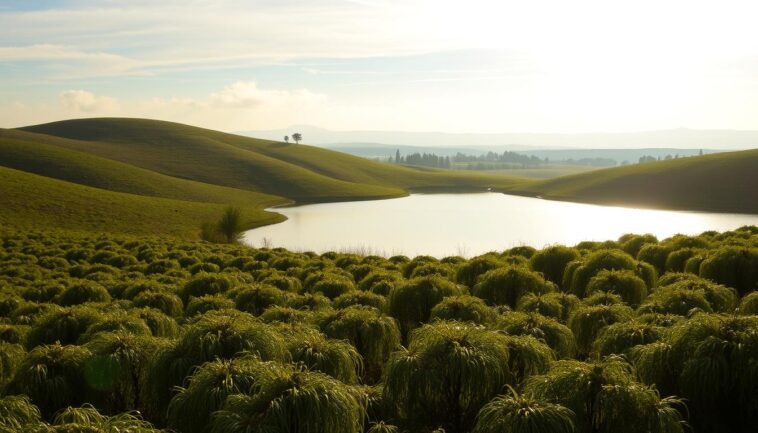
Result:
{"points": [[470, 224]]}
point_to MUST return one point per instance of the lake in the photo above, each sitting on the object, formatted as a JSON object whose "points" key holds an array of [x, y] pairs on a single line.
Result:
{"points": [[470, 224]]}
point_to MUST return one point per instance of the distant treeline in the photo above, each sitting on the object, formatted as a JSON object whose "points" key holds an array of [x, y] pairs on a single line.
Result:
{"points": [[490, 161], [508, 160]]}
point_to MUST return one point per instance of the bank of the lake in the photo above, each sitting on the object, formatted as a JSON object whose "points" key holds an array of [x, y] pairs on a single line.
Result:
{"points": [[470, 223]]}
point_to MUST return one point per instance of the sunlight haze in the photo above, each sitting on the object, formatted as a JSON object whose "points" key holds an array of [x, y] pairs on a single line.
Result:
{"points": [[475, 66]]}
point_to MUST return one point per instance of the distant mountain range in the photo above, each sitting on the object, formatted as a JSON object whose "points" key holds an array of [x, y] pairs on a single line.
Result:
{"points": [[672, 138]]}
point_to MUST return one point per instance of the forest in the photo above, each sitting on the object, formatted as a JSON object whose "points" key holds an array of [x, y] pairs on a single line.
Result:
{"points": [[125, 333]]}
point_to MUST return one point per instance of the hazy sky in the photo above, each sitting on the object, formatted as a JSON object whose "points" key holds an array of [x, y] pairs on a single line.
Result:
{"points": [[454, 66]]}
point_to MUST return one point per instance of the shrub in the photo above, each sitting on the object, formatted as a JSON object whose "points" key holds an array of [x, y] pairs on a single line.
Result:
{"points": [[604, 397], [81, 292], [515, 413], [205, 284], [469, 271], [586, 322], [411, 303], [212, 336], [619, 338], [367, 299], [552, 261], [203, 304], [53, 377], [293, 401], [463, 308], [18, 414], [630, 287], [733, 267], [373, 334], [118, 367], [64, 326], [553, 333], [507, 285], [167, 303], [332, 286], [337, 358], [709, 360], [191, 410], [557, 305], [256, 299], [449, 371], [749, 304]]}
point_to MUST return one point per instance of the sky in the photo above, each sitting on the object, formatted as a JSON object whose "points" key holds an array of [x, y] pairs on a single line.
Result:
{"points": [[409, 65]]}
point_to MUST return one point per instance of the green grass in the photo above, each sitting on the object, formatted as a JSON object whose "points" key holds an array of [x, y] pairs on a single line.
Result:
{"points": [[723, 182], [299, 172], [548, 172], [31, 201], [31, 153]]}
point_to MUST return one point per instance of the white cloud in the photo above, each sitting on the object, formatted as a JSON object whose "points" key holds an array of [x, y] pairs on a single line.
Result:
{"points": [[246, 94], [87, 102], [238, 106]]}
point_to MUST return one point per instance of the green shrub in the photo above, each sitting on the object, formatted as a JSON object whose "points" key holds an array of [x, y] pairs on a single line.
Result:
{"points": [[18, 414], [191, 409], [630, 287], [256, 299], [515, 413], [205, 284], [557, 305], [411, 303], [506, 286], [552, 261], [449, 371], [733, 267], [213, 336], [203, 304], [293, 401], [586, 322], [463, 308], [64, 326], [553, 333], [53, 377], [619, 338], [337, 358], [82, 292], [167, 303], [367, 299], [332, 286], [373, 334], [749, 304]]}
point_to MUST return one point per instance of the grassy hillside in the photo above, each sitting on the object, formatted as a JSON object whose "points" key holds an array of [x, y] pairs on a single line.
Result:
{"points": [[724, 182], [31, 201], [303, 173], [31, 152]]}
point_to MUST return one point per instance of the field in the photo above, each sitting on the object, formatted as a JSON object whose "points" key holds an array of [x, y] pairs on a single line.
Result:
{"points": [[723, 182], [548, 172], [123, 333]]}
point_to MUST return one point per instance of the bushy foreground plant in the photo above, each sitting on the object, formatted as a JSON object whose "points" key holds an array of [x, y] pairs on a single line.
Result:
{"points": [[516, 413], [449, 371], [291, 400]]}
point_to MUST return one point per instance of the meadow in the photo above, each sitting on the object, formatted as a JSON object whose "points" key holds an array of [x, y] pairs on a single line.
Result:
{"points": [[105, 332]]}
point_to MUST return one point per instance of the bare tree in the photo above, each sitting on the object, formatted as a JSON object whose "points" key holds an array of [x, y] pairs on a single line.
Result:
{"points": [[287, 138], [297, 137]]}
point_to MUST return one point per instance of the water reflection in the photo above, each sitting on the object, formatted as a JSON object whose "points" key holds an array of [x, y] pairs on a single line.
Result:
{"points": [[470, 224]]}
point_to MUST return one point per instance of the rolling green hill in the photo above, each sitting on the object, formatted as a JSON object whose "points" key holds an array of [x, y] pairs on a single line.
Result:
{"points": [[723, 182], [31, 152], [31, 201], [299, 172]]}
